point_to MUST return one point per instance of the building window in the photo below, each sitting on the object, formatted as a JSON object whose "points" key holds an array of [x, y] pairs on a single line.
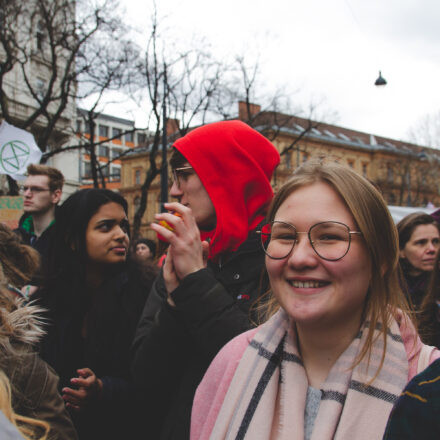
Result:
{"points": [[116, 152], [116, 132], [364, 169], [86, 127], [350, 163], [305, 157], [288, 159], [87, 170], [137, 177], [103, 151], [136, 204], [40, 35], [141, 138], [390, 173], [105, 170], [392, 199], [103, 131], [116, 173], [40, 88], [78, 126], [129, 137]]}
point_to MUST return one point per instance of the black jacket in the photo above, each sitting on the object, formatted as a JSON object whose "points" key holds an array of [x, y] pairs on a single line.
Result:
{"points": [[42, 244], [111, 325], [173, 347]]}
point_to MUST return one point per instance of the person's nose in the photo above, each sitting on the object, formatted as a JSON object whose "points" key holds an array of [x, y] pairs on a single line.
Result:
{"points": [[175, 191], [28, 193], [302, 254], [432, 249], [120, 233]]}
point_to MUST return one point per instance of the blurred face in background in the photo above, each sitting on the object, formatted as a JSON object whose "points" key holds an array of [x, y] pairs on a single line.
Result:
{"points": [[421, 249], [143, 251]]}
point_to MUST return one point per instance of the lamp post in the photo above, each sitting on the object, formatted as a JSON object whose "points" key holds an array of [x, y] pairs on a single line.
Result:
{"points": [[164, 169], [380, 81]]}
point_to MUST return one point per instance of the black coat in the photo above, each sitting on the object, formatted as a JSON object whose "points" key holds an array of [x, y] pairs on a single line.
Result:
{"points": [[111, 326], [42, 244], [173, 347]]}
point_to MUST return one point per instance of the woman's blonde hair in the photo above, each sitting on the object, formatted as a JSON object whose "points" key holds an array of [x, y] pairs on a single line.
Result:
{"points": [[374, 220], [30, 429]]}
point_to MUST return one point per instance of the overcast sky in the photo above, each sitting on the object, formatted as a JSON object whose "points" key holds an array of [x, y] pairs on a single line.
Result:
{"points": [[327, 50]]}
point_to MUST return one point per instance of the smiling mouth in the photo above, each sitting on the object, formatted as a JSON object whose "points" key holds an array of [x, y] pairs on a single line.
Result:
{"points": [[312, 284]]}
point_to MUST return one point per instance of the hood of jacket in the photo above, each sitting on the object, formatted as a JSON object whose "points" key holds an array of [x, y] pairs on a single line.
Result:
{"points": [[235, 164], [20, 323]]}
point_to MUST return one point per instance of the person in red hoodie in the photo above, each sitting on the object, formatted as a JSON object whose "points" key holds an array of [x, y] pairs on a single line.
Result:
{"points": [[214, 268]]}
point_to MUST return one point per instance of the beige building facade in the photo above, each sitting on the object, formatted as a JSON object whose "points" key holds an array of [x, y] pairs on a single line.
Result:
{"points": [[406, 174]]}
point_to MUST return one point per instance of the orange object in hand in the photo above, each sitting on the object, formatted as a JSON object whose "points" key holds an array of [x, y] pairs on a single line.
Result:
{"points": [[168, 226]]}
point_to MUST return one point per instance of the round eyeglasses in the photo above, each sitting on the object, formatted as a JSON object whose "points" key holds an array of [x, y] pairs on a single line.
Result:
{"points": [[182, 172], [330, 240]]}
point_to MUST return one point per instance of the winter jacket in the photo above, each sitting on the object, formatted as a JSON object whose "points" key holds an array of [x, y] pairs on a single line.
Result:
{"points": [[111, 324], [26, 231], [416, 413], [415, 287], [174, 345], [42, 244], [34, 384]]}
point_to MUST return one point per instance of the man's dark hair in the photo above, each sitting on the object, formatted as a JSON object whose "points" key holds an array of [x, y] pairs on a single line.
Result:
{"points": [[177, 159]]}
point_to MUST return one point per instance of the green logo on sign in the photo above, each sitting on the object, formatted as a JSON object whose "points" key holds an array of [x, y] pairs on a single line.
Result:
{"points": [[13, 156]]}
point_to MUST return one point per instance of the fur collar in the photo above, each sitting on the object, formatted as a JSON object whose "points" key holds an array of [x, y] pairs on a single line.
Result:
{"points": [[20, 322]]}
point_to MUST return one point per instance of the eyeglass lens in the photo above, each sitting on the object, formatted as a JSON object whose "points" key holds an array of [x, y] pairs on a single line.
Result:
{"points": [[330, 240], [179, 173]]}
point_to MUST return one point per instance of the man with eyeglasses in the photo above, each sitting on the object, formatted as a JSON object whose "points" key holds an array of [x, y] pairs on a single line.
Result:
{"points": [[213, 270], [41, 192]]}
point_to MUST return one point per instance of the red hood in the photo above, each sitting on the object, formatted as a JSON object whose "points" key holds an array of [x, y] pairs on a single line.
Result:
{"points": [[235, 164]]}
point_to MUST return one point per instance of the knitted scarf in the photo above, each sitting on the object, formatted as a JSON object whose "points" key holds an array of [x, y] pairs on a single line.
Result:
{"points": [[267, 395]]}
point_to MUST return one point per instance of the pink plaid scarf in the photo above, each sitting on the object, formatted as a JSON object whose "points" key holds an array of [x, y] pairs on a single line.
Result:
{"points": [[267, 395]]}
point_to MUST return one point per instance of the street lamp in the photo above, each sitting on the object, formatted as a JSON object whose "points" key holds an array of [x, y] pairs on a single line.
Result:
{"points": [[380, 81]]}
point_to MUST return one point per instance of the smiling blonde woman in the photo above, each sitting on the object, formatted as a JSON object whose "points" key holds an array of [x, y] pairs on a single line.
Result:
{"points": [[338, 347]]}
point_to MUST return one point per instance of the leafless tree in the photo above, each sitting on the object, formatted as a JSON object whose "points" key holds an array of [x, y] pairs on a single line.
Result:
{"points": [[51, 50], [179, 85], [274, 112], [411, 178], [426, 131]]}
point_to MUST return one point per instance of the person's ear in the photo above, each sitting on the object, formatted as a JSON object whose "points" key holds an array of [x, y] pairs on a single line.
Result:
{"points": [[56, 196], [402, 253]]}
